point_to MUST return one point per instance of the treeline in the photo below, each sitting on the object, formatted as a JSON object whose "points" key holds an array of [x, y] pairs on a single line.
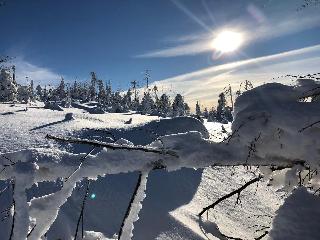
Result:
{"points": [[97, 91], [223, 113]]}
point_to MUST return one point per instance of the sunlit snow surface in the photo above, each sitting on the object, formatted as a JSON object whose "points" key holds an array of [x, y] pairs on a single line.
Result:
{"points": [[172, 201]]}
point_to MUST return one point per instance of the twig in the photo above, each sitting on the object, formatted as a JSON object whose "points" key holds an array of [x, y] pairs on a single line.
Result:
{"points": [[252, 148], [309, 126], [237, 191], [262, 236], [112, 146], [81, 162], [14, 212], [31, 230], [130, 205], [82, 210]]}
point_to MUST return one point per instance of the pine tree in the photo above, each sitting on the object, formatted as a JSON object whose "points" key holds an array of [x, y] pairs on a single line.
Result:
{"points": [[116, 102], [31, 91], [75, 91], [23, 94], [108, 101], [198, 109], [164, 106], [60, 91], [45, 94], [8, 88], [205, 113], [178, 107], [221, 108], [101, 93], [224, 113], [186, 109], [212, 116], [39, 93], [92, 88], [126, 101], [147, 104], [135, 103]]}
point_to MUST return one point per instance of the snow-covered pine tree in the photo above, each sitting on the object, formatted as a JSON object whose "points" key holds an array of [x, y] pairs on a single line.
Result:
{"points": [[23, 94], [45, 94], [101, 93], [164, 106], [186, 109], [205, 113], [135, 102], [178, 106], [221, 108], [212, 115], [127, 101], [224, 112], [92, 88], [60, 91], [84, 94], [108, 101], [116, 102], [31, 91], [75, 91], [198, 109], [147, 104], [8, 88], [39, 93]]}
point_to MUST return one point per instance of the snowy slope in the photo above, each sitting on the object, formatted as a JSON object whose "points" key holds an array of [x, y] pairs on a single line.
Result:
{"points": [[173, 199]]}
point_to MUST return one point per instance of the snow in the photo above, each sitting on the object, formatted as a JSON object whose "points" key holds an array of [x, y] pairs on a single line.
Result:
{"points": [[266, 131], [298, 217]]}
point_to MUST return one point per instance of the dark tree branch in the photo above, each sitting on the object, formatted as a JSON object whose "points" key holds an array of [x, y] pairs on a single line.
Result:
{"points": [[237, 191], [309, 126], [262, 236], [31, 230], [14, 212], [82, 211], [112, 146], [130, 205]]}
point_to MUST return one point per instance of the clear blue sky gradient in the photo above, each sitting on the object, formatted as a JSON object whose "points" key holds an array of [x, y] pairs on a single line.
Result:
{"points": [[75, 37]]}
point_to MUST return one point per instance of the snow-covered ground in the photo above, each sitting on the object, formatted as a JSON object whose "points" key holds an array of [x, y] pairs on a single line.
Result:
{"points": [[173, 199]]}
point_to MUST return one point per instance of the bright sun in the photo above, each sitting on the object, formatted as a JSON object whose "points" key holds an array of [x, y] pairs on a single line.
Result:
{"points": [[227, 41]]}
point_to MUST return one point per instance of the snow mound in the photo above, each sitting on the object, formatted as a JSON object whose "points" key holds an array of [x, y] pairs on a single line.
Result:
{"points": [[298, 218]]}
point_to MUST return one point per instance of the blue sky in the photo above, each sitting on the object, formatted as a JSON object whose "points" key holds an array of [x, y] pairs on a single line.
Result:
{"points": [[118, 39]]}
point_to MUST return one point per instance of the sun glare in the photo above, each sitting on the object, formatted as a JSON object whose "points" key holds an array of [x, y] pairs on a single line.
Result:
{"points": [[227, 41]]}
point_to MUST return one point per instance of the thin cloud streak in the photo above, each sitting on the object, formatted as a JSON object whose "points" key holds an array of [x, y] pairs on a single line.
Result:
{"points": [[205, 85], [200, 43]]}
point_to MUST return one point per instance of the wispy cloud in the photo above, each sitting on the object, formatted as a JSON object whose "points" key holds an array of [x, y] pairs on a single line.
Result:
{"points": [[205, 85], [40, 75], [254, 31]]}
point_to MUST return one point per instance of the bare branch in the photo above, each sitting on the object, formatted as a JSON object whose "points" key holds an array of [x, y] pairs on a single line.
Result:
{"points": [[31, 230], [82, 210], [262, 236], [237, 191], [81, 162], [112, 146], [130, 205], [309, 126], [14, 212]]}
